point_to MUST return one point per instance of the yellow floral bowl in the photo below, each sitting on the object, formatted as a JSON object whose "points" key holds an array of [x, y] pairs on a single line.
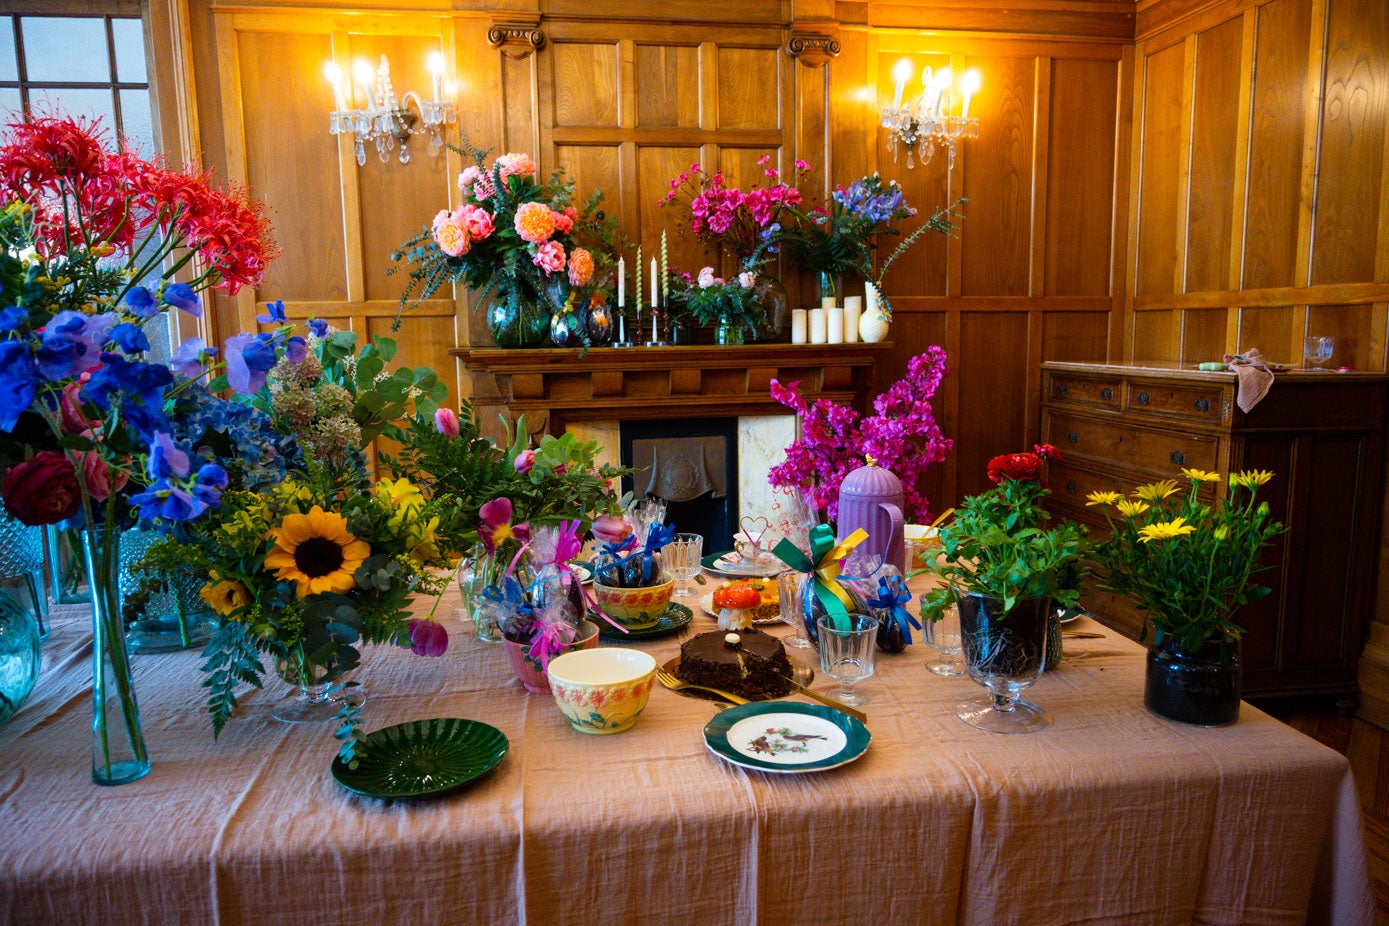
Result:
{"points": [[635, 608], [602, 690]]}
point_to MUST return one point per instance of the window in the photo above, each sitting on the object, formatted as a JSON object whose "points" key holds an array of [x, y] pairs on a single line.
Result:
{"points": [[82, 65]]}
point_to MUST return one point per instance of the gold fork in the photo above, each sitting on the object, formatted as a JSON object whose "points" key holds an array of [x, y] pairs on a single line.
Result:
{"points": [[675, 684]]}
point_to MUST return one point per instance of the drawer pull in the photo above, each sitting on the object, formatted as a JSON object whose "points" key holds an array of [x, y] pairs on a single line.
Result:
{"points": [[1202, 405], [1071, 486], [1106, 393], [1143, 398], [1062, 389], [1178, 458], [1073, 437]]}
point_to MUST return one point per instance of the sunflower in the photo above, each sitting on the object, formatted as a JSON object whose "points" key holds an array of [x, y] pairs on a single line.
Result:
{"points": [[316, 552], [224, 596]]}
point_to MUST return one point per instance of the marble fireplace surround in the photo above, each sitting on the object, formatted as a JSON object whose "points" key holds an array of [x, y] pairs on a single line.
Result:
{"points": [[559, 391]]}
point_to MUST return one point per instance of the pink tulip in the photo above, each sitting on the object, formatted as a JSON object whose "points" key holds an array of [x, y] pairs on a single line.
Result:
{"points": [[446, 422], [524, 461]]}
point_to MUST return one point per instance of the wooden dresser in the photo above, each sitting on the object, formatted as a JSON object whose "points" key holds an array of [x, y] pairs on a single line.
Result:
{"points": [[1320, 433]]}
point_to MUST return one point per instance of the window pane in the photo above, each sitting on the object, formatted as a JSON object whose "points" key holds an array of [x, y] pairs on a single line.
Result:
{"points": [[129, 37], [90, 103], [135, 119], [9, 103], [67, 49], [9, 70]]}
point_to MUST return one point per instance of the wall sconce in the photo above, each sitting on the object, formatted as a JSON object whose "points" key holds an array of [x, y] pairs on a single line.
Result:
{"points": [[927, 122], [386, 119]]}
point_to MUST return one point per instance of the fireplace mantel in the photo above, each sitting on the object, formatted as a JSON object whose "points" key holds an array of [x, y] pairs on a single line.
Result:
{"points": [[552, 386]]}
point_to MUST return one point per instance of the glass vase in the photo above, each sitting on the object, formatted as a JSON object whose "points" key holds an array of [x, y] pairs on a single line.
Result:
{"points": [[1004, 652], [312, 700], [20, 654], [21, 565], [163, 612], [828, 287], [728, 332], [118, 742], [486, 572], [517, 320], [1200, 686]]}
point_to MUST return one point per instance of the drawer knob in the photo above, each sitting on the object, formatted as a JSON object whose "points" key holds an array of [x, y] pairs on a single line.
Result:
{"points": [[1062, 389], [1178, 458], [1106, 393], [1143, 398], [1202, 405], [1073, 437], [1071, 486]]}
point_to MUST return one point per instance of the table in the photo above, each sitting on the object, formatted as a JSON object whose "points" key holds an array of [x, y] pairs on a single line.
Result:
{"points": [[1109, 816]]}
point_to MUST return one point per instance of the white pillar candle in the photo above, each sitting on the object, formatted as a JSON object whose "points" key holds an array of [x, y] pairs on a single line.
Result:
{"points": [[827, 302], [834, 325], [818, 332], [655, 284], [798, 333], [853, 308], [622, 283]]}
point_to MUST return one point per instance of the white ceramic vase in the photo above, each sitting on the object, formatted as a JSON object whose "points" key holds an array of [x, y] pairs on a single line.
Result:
{"points": [[872, 324]]}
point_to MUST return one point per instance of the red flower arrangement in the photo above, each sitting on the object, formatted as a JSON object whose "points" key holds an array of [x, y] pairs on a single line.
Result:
{"points": [[1023, 467]]}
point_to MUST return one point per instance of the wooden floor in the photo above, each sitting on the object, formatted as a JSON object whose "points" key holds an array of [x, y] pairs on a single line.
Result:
{"points": [[1367, 748]]}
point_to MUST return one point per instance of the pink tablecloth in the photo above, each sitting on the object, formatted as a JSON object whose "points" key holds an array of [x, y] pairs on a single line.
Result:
{"points": [[1109, 816]]}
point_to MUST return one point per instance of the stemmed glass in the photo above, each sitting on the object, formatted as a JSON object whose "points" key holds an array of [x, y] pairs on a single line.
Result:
{"points": [[793, 608], [1004, 652], [943, 636], [847, 648], [1318, 351], [681, 559]]}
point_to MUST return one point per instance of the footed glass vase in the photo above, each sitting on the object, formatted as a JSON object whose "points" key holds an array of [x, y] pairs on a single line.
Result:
{"points": [[312, 700], [1004, 652], [118, 742]]}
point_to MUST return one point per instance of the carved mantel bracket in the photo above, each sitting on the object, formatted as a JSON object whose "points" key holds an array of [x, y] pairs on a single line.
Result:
{"points": [[813, 44], [516, 35]]}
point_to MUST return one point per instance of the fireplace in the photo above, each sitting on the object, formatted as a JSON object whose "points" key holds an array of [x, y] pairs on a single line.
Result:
{"points": [[692, 464]]}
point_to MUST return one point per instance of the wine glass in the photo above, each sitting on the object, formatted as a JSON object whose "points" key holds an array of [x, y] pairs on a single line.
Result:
{"points": [[793, 608], [1004, 652], [681, 559], [943, 636], [847, 647], [1318, 351]]}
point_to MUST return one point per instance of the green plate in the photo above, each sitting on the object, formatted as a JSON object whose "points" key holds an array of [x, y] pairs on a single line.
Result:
{"points": [[673, 618], [786, 737], [423, 758]]}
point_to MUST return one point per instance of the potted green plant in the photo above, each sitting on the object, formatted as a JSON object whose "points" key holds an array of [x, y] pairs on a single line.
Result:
{"points": [[1002, 566], [1188, 566]]}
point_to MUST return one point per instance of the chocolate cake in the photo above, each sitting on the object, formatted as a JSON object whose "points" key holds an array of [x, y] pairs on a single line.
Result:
{"points": [[755, 667]]}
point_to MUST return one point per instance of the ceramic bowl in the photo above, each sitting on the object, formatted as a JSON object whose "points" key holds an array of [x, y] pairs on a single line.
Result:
{"points": [[635, 608], [533, 678], [602, 690]]}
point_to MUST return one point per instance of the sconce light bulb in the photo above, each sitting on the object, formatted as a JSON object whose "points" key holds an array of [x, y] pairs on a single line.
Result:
{"points": [[943, 78], [333, 73], [435, 63], [971, 81], [902, 71], [926, 76], [362, 72]]}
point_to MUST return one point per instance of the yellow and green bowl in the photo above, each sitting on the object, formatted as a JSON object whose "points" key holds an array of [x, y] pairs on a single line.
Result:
{"points": [[602, 690]]}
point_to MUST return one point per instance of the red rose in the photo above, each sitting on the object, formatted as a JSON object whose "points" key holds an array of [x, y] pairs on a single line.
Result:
{"points": [[1024, 467], [42, 490]]}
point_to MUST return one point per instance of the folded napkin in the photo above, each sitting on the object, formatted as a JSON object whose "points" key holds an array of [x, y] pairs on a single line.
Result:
{"points": [[1255, 378]]}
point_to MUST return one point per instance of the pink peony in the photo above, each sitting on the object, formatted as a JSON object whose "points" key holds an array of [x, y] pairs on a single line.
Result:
{"points": [[746, 279], [96, 474], [549, 257], [563, 223], [475, 183], [476, 220], [446, 422], [706, 278]]}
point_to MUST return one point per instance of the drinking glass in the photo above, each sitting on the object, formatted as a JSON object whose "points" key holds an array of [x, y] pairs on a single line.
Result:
{"points": [[1318, 351], [793, 609], [943, 638], [847, 647], [681, 558]]}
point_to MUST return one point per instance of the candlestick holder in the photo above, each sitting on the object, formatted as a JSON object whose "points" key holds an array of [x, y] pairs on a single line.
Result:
{"points": [[656, 339], [622, 339]]}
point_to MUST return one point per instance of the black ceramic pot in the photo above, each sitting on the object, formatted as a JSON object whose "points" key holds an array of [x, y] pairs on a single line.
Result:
{"points": [[1199, 687]]}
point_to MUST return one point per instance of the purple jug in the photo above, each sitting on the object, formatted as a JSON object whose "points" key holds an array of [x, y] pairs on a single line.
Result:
{"points": [[871, 498]]}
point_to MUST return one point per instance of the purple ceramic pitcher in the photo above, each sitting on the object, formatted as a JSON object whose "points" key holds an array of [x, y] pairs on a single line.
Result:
{"points": [[871, 498]]}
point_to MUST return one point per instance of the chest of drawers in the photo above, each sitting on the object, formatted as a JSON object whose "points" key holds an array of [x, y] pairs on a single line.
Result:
{"points": [[1320, 433]]}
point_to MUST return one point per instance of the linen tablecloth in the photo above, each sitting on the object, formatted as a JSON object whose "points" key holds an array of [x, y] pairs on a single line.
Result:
{"points": [[1109, 816]]}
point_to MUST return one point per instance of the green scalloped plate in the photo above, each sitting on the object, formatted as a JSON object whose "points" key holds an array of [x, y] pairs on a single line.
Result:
{"points": [[423, 758], [786, 737], [673, 618]]}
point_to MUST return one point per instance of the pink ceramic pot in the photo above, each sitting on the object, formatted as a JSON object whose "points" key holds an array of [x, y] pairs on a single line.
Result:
{"points": [[528, 670]]}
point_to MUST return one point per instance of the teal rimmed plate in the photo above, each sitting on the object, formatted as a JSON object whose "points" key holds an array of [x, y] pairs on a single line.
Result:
{"points": [[786, 737], [423, 758], [673, 618]]}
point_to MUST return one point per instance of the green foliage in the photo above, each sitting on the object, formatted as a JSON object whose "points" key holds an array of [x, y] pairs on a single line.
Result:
{"points": [[941, 222], [350, 731], [998, 546], [230, 658]]}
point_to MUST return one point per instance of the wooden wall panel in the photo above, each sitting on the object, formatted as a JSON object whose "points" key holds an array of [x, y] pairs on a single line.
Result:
{"points": [[748, 81], [1351, 326], [993, 417], [1080, 187], [1214, 135], [1075, 336], [1203, 335], [1270, 329], [1349, 196], [594, 167], [655, 168], [1275, 143], [1156, 334], [1159, 174], [997, 173], [668, 76], [292, 164], [585, 83]]}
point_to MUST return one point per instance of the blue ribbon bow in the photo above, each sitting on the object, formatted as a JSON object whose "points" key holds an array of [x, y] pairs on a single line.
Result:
{"points": [[656, 537], [892, 597]]}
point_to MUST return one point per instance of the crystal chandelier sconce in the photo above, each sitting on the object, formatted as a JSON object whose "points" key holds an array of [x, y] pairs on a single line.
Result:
{"points": [[387, 120], [929, 122]]}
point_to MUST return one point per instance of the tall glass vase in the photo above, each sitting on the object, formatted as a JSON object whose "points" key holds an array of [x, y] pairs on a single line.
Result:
{"points": [[118, 742]]}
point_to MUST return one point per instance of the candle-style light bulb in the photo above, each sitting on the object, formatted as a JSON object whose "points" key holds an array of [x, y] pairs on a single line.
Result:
{"points": [[901, 72], [363, 74], [622, 283], [333, 73], [435, 63], [943, 80], [970, 82]]}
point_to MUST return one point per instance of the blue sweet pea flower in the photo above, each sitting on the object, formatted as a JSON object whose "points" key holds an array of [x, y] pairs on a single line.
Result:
{"points": [[12, 319], [142, 384], [249, 358], [166, 459], [140, 301], [190, 357], [318, 327], [274, 313], [164, 500], [208, 486], [18, 381], [296, 349], [181, 296], [130, 338], [71, 343]]}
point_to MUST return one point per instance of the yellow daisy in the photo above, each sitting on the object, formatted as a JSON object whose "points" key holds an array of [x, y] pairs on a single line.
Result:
{"points": [[1102, 498], [224, 596], [1200, 475], [1131, 509], [1165, 530], [1250, 478], [1155, 491], [316, 552]]}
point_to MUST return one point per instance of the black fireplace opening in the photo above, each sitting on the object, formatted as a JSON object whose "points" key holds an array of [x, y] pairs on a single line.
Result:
{"points": [[692, 464]]}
